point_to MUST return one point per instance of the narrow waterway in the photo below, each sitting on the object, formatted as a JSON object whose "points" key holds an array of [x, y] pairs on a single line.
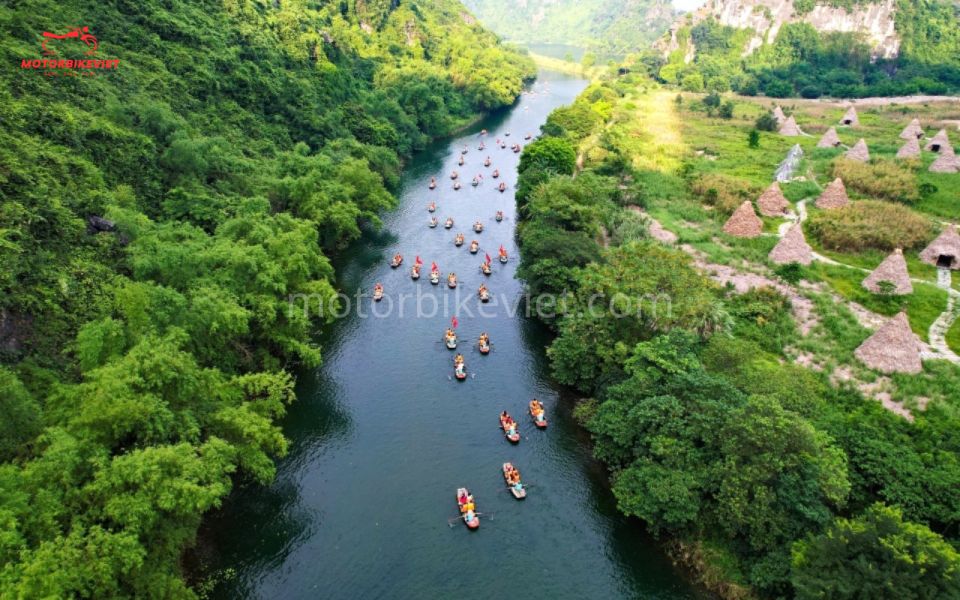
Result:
{"points": [[382, 435]]}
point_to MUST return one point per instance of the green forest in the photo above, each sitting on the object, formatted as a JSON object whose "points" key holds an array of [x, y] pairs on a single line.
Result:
{"points": [[154, 221], [808, 63], [762, 474]]}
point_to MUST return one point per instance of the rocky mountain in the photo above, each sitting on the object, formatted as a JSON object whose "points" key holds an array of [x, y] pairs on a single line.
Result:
{"points": [[605, 26]]}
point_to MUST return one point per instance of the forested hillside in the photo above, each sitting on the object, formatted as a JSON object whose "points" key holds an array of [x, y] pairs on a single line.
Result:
{"points": [[154, 220], [601, 26], [887, 48]]}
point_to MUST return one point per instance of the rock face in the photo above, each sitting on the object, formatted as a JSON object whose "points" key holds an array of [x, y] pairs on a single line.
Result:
{"points": [[833, 196], [893, 269], [893, 348], [792, 248], [764, 18], [744, 222]]}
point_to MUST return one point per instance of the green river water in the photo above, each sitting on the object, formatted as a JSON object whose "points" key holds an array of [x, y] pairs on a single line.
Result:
{"points": [[381, 435]]}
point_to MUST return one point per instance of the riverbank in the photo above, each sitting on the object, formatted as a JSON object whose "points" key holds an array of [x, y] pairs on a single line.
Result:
{"points": [[559, 65]]}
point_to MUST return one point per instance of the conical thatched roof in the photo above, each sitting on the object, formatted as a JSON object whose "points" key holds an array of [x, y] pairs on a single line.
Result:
{"points": [[938, 142], [909, 149], [859, 151], [947, 162], [744, 222], [829, 140], [772, 202], [913, 130], [778, 115], [892, 269], [893, 348], [792, 248], [789, 127], [946, 246], [833, 196], [850, 118]]}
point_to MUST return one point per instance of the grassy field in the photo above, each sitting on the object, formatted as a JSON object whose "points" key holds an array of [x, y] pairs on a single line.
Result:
{"points": [[564, 66]]}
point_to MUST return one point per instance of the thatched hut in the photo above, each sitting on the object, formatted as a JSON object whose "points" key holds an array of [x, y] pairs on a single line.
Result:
{"points": [[909, 149], [778, 115], [772, 202], [790, 128], [833, 196], [943, 251], [792, 248], [913, 130], [893, 270], [850, 118], [893, 348], [859, 152], [830, 139], [938, 142], [744, 222], [947, 162]]}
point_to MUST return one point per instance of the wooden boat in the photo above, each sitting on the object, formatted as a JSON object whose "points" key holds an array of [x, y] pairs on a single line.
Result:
{"points": [[433, 183], [484, 344], [516, 148], [502, 187], [512, 477], [499, 216], [456, 185], [397, 261], [450, 339], [449, 223], [507, 134], [537, 414], [435, 277], [503, 145], [496, 173], [433, 222], [474, 247], [503, 254], [467, 509], [527, 137], [485, 268], [452, 280], [475, 182], [458, 240], [415, 272], [461, 161], [509, 427], [454, 175], [464, 151], [377, 293], [459, 368], [478, 227], [484, 293], [481, 146], [486, 162], [432, 207]]}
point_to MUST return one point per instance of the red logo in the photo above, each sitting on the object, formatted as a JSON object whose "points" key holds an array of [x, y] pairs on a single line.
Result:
{"points": [[81, 33], [53, 67]]}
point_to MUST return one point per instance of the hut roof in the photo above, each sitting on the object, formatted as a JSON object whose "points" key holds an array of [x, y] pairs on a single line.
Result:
{"points": [[830, 139], [833, 196], [946, 245], [792, 248], [893, 348], [744, 222], [850, 118], [778, 115], [947, 162], [894, 270], [790, 128], [909, 149], [772, 202], [938, 142], [913, 130], [859, 151]]}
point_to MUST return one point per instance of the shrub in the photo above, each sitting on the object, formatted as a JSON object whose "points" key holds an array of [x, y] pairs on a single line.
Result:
{"points": [[692, 82], [766, 122], [870, 224], [726, 110], [722, 191], [882, 179]]}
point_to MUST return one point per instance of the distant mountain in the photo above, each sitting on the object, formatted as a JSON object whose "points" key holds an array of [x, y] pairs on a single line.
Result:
{"points": [[603, 26], [844, 48]]}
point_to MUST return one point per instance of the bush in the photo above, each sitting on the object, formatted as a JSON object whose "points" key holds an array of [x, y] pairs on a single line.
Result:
{"points": [[870, 224], [766, 122], [882, 179], [726, 110], [722, 191], [692, 82]]}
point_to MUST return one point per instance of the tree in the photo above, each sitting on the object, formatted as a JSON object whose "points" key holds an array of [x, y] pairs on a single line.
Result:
{"points": [[692, 82], [549, 154], [877, 555], [753, 139], [726, 110]]}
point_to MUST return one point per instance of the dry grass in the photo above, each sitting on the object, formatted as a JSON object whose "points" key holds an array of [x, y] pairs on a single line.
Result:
{"points": [[870, 224]]}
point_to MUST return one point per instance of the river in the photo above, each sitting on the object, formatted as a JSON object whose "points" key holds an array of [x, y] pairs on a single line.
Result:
{"points": [[381, 435]]}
